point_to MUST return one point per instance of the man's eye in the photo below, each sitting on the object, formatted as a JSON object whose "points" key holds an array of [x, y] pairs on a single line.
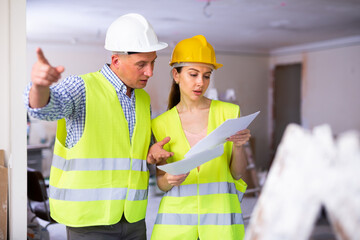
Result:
{"points": [[193, 75]]}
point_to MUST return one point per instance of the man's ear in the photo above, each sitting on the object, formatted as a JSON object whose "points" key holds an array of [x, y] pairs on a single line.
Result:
{"points": [[115, 60]]}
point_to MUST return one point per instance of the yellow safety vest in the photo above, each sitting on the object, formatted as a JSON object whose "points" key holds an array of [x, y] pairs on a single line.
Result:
{"points": [[103, 175], [207, 203]]}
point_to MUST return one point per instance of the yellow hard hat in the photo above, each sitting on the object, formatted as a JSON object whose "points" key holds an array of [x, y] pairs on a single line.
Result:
{"points": [[195, 49]]}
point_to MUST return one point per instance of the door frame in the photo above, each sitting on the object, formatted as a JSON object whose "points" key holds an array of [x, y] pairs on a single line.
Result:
{"points": [[271, 98]]}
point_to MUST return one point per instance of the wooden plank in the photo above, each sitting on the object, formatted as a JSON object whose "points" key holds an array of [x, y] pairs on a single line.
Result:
{"points": [[310, 170]]}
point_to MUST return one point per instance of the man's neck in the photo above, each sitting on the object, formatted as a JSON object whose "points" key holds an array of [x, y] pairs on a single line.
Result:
{"points": [[128, 89]]}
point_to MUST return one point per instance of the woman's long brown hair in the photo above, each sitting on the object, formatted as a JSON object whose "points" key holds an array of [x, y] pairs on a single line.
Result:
{"points": [[174, 95]]}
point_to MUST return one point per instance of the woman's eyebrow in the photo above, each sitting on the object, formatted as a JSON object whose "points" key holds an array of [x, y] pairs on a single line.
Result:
{"points": [[194, 69]]}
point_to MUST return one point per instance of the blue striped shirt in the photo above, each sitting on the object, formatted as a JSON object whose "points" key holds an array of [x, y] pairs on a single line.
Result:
{"points": [[67, 100]]}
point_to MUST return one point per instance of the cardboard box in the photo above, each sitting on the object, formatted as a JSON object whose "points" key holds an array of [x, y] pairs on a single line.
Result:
{"points": [[3, 196]]}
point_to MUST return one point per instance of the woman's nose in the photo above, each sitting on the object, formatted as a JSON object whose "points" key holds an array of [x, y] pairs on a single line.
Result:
{"points": [[199, 80]]}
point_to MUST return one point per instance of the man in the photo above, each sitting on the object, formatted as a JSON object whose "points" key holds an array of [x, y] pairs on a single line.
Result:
{"points": [[99, 176]]}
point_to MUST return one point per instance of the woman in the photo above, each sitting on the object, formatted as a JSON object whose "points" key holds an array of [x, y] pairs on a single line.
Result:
{"points": [[205, 203]]}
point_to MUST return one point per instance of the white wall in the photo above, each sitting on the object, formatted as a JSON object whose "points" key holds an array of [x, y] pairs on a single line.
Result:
{"points": [[160, 84], [330, 86], [76, 60], [248, 75], [12, 112]]}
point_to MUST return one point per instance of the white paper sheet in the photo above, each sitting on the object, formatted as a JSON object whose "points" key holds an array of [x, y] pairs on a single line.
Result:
{"points": [[219, 135], [209, 147], [195, 160]]}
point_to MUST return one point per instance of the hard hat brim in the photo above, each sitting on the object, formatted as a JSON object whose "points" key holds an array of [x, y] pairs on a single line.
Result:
{"points": [[216, 65]]}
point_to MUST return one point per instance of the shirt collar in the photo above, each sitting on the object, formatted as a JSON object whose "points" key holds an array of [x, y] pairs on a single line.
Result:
{"points": [[114, 79]]}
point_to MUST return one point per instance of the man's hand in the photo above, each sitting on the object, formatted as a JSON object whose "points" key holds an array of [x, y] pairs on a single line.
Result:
{"points": [[42, 76], [157, 153]]}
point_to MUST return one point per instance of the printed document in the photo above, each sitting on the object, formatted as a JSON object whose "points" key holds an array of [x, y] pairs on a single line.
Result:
{"points": [[210, 147]]}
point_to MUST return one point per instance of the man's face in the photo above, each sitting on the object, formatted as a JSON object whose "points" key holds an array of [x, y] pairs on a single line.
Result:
{"points": [[134, 69]]}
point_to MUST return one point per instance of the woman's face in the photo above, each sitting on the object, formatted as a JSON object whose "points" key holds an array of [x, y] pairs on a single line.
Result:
{"points": [[193, 81]]}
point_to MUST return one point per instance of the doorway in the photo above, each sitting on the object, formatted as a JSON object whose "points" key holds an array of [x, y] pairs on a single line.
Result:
{"points": [[286, 100]]}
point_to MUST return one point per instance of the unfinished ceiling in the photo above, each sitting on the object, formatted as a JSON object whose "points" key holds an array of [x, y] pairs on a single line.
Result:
{"points": [[256, 26]]}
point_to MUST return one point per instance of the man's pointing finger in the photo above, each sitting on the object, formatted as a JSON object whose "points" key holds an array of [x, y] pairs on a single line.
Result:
{"points": [[41, 57]]}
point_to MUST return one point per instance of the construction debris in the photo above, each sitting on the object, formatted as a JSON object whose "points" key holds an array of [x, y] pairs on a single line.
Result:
{"points": [[311, 170]]}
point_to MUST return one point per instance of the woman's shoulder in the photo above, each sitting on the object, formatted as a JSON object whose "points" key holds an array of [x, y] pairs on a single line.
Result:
{"points": [[164, 116], [161, 124]]}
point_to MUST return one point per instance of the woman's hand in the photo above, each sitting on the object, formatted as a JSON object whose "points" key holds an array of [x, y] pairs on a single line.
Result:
{"points": [[176, 180], [238, 158], [240, 138]]}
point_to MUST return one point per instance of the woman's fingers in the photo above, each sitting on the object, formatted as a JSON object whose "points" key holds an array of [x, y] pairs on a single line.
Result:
{"points": [[176, 180], [240, 138]]}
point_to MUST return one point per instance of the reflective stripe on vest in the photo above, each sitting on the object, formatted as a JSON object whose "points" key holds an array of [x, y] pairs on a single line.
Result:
{"points": [[207, 203], [103, 176], [98, 164], [97, 194], [205, 219], [204, 189]]}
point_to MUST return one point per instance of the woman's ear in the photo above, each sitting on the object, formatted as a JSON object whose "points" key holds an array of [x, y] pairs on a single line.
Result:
{"points": [[175, 75]]}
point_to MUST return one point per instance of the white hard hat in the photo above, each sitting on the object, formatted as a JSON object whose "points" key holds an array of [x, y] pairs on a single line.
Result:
{"points": [[132, 33]]}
